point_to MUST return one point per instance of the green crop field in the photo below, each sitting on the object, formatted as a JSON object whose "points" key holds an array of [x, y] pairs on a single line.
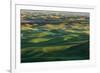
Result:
{"points": [[54, 36]]}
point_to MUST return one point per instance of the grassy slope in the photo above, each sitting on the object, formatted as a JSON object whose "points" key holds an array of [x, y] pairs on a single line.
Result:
{"points": [[78, 52]]}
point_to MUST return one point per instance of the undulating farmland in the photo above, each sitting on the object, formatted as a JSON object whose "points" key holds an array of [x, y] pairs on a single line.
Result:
{"points": [[54, 36]]}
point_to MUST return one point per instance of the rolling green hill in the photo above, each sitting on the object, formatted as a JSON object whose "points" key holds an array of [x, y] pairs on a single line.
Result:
{"points": [[62, 41]]}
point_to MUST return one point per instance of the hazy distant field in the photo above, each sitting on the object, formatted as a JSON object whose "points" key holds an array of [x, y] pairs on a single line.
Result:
{"points": [[54, 36]]}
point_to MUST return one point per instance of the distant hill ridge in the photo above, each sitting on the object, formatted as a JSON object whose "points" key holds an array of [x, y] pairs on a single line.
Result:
{"points": [[64, 13]]}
